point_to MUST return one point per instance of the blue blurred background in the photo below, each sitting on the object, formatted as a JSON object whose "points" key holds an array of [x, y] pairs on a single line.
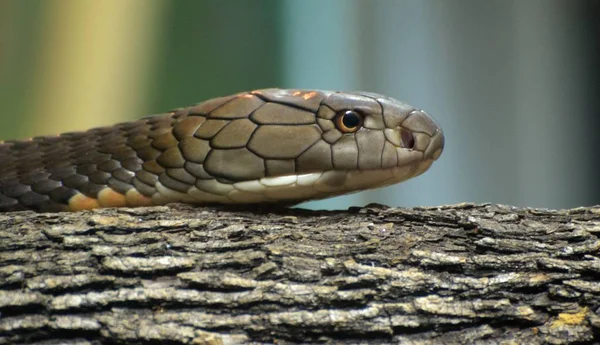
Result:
{"points": [[514, 84]]}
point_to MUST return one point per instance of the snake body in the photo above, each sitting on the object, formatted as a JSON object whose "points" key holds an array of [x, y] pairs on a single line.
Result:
{"points": [[262, 146]]}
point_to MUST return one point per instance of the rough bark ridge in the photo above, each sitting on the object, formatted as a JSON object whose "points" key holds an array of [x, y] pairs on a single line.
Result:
{"points": [[459, 274]]}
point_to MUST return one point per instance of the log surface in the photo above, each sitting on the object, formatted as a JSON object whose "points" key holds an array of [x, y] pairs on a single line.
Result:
{"points": [[459, 274]]}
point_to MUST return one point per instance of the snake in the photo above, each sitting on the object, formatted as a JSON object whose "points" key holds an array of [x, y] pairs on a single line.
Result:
{"points": [[267, 146]]}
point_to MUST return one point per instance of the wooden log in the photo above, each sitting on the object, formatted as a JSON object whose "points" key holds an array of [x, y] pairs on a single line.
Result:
{"points": [[458, 274]]}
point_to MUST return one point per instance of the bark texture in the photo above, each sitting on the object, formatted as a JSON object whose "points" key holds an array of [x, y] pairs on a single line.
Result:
{"points": [[459, 274]]}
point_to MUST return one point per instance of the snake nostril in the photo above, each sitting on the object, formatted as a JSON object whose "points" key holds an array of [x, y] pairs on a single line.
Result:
{"points": [[408, 139]]}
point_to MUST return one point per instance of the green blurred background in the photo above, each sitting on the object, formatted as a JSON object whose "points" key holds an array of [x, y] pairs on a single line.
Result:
{"points": [[514, 84]]}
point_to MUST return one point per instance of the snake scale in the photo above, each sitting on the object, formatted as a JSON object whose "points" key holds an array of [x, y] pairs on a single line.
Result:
{"points": [[264, 146]]}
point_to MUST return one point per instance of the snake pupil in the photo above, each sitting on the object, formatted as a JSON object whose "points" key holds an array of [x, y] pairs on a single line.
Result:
{"points": [[351, 119]]}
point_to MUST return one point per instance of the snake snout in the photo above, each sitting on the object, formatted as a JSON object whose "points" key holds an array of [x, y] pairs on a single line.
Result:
{"points": [[427, 136], [436, 146]]}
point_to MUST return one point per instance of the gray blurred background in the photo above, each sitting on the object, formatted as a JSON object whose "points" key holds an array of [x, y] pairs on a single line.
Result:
{"points": [[514, 84]]}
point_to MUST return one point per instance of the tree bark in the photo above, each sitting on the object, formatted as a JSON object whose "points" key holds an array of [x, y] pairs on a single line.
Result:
{"points": [[459, 274]]}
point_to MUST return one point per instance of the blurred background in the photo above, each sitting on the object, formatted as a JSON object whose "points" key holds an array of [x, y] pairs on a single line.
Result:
{"points": [[514, 84]]}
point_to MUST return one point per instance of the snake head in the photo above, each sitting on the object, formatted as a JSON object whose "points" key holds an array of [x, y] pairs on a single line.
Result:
{"points": [[373, 141], [384, 133], [276, 145]]}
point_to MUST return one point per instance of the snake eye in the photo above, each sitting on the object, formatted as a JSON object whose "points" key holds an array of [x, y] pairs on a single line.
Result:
{"points": [[348, 121]]}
